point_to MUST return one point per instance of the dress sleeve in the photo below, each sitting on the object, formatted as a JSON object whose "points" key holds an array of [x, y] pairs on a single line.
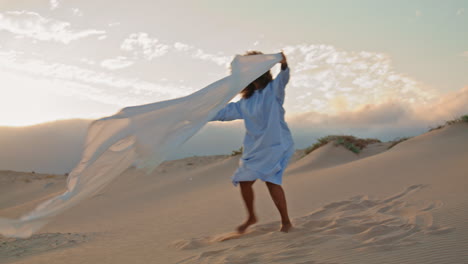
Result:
{"points": [[230, 112], [279, 84]]}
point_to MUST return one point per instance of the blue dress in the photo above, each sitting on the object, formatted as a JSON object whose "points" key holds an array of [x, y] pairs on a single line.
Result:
{"points": [[268, 144]]}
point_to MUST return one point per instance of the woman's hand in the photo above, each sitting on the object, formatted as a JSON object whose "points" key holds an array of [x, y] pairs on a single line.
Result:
{"points": [[284, 63]]}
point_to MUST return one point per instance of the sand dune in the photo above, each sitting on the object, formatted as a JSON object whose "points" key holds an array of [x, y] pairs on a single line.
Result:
{"points": [[404, 205], [332, 155]]}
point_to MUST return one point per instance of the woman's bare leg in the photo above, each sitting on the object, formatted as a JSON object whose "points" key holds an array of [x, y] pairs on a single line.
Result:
{"points": [[277, 194], [248, 196]]}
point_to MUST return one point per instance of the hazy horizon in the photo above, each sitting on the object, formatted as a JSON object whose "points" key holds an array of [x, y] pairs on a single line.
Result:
{"points": [[56, 147]]}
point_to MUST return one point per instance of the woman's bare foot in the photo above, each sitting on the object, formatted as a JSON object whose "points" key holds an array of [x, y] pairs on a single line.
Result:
{"points": [[286, 227], [241, 229]]}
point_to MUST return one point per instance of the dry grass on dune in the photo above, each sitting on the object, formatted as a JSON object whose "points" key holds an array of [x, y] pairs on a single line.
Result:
{"points": [[461, 119], [398, 141], [356, 144], [352, 143]]}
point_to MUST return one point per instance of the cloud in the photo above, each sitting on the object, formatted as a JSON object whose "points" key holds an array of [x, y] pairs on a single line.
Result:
{"points": [[142, 45], [33, 25], [325, 79], [183, 47], [200, 54], [98, 86], [460, 11], [117, 63], [448, 106], [218, 59], [385, 120], [77, 12], [53, 4]]}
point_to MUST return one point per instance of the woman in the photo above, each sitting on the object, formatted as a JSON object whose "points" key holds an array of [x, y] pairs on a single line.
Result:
{"points": [[268, 143]]}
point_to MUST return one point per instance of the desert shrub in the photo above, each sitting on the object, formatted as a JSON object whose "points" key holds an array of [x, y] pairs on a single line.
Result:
{"points": [[348, 144], [237, 152], [352, 143], [461, 119], [397, 141], [320, 142], [436, 128]]}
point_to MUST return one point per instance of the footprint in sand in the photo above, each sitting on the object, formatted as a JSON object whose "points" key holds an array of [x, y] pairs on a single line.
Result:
{"points": [[363, 223]]}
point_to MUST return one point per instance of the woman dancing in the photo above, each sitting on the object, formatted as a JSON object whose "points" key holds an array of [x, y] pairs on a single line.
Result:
{"points": [[268, 143]]}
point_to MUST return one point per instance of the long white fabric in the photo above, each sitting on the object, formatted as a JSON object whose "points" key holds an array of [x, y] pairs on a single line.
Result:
{"points": [[143, 135]]}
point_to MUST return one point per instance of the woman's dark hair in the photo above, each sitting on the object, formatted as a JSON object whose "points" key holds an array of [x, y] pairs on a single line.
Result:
{"points": [[261, 81]]}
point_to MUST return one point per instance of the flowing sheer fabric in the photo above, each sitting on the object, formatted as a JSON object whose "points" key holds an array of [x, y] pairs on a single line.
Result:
{"points": [[143, 135]]}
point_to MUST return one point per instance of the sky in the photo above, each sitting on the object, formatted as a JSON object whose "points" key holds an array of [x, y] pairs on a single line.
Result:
{"points": [[64, 59]]}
